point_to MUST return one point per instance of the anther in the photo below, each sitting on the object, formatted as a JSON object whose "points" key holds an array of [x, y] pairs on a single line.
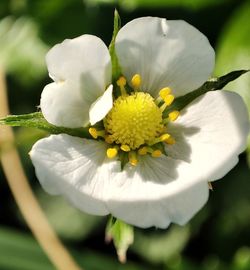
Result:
{"points": [[169, 99], [96, 133], [133, 158], [136, 81], [125, 148], [156, 153], [112, 152], [142, 151], [121, 82], [173, 115], [164, 92], [162, 138], [170, 140]]}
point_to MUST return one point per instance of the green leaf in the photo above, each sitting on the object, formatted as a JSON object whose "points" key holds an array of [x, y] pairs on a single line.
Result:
{"points": [[211, 85], [161, 245], [188, 4], [116, 70], [22, 52], [20, 251], [36, 120], [69, 222], [242, 258], [122, 235], [234, 52]]}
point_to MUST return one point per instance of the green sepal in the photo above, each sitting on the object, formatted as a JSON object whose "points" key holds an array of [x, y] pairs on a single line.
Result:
{"points": [[122, 235], [123, 158], [36, 120], [116, 70], [211, 85]]}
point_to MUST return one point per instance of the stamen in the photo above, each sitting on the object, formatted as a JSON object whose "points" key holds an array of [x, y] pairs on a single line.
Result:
{"points": [[170, 140], [164, 92], [121, 82], [125, 148], [162, 138], [142, 151], [133, 158], [173, 115], [156, 153], [112, 152], [96, 133], [136, 81], [169, 99]]}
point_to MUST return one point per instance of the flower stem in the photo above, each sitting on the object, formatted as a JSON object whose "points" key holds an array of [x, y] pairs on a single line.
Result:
{"points": [[24, 196]]}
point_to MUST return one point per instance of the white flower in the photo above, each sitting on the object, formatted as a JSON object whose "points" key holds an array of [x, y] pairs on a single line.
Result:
{"points": [[159, 59]]}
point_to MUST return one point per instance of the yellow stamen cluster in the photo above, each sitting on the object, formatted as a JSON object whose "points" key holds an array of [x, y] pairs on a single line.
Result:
{"points": [[135, 125], [134, 120]]}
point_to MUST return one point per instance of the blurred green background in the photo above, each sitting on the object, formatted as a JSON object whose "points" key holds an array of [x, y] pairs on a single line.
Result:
{"points": [[219, 236]]}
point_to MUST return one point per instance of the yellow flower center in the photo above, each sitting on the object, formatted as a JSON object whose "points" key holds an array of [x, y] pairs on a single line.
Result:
{"points": [[134, 120], [135, 126]]}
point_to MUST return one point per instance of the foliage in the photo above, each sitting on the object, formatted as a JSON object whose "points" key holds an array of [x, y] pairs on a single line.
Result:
{"points": [[21, 50], [233, 51]]}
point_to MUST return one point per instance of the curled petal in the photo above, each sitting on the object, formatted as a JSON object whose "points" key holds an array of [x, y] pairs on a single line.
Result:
{"points": [[81, 69], [62, 105], [100, 108]]}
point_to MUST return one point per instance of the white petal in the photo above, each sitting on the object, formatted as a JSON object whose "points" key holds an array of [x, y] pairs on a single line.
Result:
{"points": [[164, 53], [75, 168], [83, 66], [62, 105], [99, 109], [154, 194], [210, 134]]}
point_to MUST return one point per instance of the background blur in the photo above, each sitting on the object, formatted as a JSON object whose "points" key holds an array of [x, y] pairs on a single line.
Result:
{"points": [[219, 236]]}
